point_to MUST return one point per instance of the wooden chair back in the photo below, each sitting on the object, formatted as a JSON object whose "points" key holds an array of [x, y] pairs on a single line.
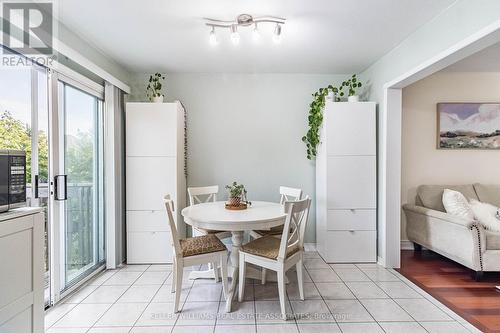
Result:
{"points": [[295, 226], [290, 194], [169, 206], [202, 194]]}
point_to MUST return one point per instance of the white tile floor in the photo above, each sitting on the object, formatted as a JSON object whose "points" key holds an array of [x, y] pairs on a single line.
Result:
{"points": [[339, 298]]}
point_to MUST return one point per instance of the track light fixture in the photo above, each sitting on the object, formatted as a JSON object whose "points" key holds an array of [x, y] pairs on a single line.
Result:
{"points": [[235, 36], [213, 37], [244, 20], [255, 33], [277, 34]]}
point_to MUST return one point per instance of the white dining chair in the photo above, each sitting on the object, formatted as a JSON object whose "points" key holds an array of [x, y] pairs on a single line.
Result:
{"points": [[279, 255], [287, 194], [194, 251], [204, 194]]}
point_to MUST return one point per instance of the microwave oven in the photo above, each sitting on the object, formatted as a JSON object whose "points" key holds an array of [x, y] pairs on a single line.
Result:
{"points": [[12, 179]]}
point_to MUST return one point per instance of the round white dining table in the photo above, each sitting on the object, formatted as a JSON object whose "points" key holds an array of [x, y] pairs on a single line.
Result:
{"points": [[260, 215]]}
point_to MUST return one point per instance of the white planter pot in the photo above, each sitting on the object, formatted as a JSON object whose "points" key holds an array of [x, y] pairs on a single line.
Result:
{"points": [[158, 99], [354, 98]]}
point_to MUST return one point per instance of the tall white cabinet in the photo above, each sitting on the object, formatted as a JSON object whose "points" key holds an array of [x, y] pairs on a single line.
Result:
{"points": [[154, 167], [346, 183]]}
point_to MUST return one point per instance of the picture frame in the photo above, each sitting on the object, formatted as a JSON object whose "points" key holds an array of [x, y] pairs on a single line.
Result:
{"points": [[468, 125]]}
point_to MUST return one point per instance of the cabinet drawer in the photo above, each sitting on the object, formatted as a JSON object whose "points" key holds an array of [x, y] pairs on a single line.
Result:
{"points": [[351, 246], [148, 220], [352, 219], [352, 182], [149, 247]]}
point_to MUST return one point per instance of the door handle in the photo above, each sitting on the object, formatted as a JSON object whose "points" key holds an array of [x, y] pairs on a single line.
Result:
{"points": [[61, 189], [36, 186]]}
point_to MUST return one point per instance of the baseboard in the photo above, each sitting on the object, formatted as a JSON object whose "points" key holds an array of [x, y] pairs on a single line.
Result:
{"points": [[406, 245], [310, 247], [380, 261]]}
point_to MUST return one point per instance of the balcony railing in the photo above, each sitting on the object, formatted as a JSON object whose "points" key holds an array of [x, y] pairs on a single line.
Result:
{"points": [[81, 234]]}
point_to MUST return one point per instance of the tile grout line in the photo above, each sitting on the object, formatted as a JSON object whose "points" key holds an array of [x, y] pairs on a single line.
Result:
{"points": [[72, 294], [322, 298], [359, 301], [190, 286], [93, 325], [392, 300], [151, 301], [389, 298], [429, 298]]}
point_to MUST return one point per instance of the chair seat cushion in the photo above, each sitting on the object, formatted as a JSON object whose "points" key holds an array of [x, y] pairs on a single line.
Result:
{"points": [[267, 246], [200, 245], [271, 232]]}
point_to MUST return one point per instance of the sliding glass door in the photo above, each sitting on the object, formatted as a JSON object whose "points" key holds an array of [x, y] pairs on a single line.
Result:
{"points": [[58, 122], [24, 126], [79, 187]]}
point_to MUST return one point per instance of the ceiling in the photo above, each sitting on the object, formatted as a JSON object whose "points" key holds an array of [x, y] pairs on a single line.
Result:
{"points": [[487, 60], [320, 36]]}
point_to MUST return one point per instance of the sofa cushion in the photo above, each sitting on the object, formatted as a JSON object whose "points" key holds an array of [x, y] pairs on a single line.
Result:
{"points": [[455, 203], [431, 196], [488, 193], [492, 240], [486, 214]]}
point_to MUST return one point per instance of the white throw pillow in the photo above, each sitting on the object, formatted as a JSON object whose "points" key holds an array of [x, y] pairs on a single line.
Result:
{"points": [[456, 204], [486, 214]]}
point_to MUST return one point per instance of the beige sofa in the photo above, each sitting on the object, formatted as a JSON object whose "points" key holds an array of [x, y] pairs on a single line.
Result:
{"points": [[464, 241]]}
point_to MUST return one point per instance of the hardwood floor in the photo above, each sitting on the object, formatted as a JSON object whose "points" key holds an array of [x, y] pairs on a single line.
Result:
{"points": [[453, 285]]}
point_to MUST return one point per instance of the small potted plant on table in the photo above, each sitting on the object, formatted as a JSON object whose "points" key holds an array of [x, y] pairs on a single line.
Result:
{"points": [[237, 196]]}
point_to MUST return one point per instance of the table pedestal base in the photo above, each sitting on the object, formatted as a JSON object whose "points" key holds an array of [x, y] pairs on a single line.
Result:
{"points": [[251, 273], [233, 270]]}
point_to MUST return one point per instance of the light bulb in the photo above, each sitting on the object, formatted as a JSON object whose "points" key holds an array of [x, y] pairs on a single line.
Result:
{"points": [[213, 37], [277, 34], [256, 34], [235, 36]]}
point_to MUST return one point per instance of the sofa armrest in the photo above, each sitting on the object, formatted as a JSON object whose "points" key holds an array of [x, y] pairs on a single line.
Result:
{"points": [[439, 215], [456, 238]]}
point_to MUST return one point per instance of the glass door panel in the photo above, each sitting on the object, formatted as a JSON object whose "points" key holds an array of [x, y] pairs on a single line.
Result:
{"points": [[24, 126], [40, 184], [83, 227]]}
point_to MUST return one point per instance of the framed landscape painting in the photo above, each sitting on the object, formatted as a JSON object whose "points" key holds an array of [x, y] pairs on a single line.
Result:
{"points": [[468, 125]]}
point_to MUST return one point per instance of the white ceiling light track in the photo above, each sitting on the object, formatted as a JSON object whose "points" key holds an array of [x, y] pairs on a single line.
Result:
{"points": [[244, 20]]}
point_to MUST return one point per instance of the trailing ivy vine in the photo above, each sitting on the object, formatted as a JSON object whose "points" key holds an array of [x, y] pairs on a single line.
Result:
{"points": [[315, 117]]}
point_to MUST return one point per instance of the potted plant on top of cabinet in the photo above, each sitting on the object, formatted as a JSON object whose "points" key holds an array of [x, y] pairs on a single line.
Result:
{"points": [[352, 84], [153, 90], [315, 116]]}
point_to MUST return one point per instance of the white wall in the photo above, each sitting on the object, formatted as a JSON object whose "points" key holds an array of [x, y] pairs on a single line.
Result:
{"points": [[248, 128], [422, 163]]}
